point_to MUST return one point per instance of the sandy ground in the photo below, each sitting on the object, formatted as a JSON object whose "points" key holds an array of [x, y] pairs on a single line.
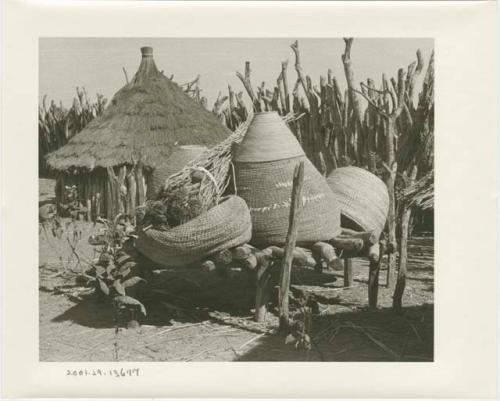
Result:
{"points": [[196, 316]]}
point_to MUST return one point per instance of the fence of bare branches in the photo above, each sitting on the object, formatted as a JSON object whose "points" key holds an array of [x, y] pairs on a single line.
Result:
{"points": [[57, 124], [393, 136], [375, 125]]}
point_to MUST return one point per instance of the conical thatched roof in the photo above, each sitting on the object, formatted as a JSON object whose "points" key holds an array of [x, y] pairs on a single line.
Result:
{"points": [[143, 122]]}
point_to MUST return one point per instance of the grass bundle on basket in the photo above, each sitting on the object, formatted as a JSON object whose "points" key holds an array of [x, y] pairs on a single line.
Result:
{"points": [[198, 186], [224, 226]]}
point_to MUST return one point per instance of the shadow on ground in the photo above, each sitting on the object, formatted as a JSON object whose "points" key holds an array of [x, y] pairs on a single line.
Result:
{"points": [[363, 335], [189, 296]]}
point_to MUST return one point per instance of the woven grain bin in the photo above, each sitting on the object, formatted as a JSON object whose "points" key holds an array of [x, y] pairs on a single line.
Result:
{"points": [[264, 164], [181, 155], [224, 226], [362, 197]]}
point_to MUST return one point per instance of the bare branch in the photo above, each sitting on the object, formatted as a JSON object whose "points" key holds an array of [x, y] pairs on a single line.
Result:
{"points": [[248, 85], [372, 103], [298, 67], [349, 74], [126, 75]]}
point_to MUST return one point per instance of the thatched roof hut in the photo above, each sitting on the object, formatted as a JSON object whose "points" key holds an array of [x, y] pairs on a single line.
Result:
{"points": [[139, 130]]}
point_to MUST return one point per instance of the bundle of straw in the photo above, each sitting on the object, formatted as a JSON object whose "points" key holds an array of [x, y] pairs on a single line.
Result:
{"points": [[197, 187], [211, 170]]}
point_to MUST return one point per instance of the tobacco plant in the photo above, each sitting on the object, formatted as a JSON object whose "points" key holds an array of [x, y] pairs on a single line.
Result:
{"points": [[116, 275]]}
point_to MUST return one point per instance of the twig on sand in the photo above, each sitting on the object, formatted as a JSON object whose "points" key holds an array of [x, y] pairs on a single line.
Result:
{"points": [[325, 331], [416, 332], [197, 355], [255, 338], [231, 347], [180, 327], [73, 250], [335, 333], [216, 350], [214, 334], [315, 290], [403, 348], [379, 343]]}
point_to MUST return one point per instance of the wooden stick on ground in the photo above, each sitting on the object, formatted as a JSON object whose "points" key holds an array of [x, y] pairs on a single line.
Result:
{"points": [[327, 253], [291, 237], [300, 256]]}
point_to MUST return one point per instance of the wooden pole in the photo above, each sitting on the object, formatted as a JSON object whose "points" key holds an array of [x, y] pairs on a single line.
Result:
{"points": [[139, 179], [131, 194], [374, 257], [262, 290], [98, 204], [403, 252], [291, 237], [121, 189], [348, 273], [89, 210]]}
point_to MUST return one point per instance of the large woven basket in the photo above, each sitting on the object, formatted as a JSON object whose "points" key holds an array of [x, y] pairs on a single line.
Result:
{"points": [[224, 226], [181, 156], [362, 196], [264, 165]]}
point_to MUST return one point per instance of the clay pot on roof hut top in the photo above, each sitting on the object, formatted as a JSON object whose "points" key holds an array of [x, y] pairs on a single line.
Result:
{"points": [[115, 154], [264, 163]]}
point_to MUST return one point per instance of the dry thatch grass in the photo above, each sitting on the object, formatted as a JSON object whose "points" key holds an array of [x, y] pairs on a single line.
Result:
{"points": [[145, 119], [57, 125]]}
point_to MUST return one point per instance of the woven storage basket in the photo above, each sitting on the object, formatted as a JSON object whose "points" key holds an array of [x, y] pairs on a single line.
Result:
{"points": [[362, 196], [224, 226], [181, 156], [264, 165]]}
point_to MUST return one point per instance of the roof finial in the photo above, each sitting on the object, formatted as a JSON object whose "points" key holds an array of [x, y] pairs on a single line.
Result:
{"points": [[147, 51]]}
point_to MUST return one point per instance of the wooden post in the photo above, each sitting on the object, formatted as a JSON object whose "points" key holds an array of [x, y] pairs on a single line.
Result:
{"points": [[374, 256], [348, 273], [397, 299], [110, 206], [291, 237], [391, 217], [121, 189], [131, 194], [89, 210], [93, 215], [98, 204], [262, 290], [139, 178]]}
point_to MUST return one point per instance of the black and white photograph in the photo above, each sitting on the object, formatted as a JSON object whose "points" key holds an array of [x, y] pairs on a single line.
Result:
{"points": [[229, 199]]}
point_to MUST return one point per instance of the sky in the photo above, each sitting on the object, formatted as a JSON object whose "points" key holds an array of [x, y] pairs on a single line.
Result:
{"points": [[96, 63]]}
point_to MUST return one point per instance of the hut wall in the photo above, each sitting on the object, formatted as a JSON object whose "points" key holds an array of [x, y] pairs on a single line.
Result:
{"points": [[106, 192]]}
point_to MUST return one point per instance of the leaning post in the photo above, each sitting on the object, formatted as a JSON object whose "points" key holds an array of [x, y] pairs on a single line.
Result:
{"points": [[291, 238]]}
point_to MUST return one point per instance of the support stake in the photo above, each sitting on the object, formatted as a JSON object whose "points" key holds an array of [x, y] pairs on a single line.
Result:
{"points": [[291, 237]]}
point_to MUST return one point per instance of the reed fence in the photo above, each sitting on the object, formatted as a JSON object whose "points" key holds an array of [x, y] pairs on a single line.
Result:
{"points": [[57, 124]]}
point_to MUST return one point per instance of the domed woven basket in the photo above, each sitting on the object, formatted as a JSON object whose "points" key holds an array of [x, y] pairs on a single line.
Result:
{"points": [[181, 156], [362, 196], [224, 226], [264, 165]]}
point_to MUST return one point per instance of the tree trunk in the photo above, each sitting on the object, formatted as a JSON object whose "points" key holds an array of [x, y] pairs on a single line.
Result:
{"points": [[390, 181], [403, 252]]}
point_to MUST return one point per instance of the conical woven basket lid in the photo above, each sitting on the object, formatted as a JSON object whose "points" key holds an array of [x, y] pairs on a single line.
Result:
{"points": [[268, 139]]}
